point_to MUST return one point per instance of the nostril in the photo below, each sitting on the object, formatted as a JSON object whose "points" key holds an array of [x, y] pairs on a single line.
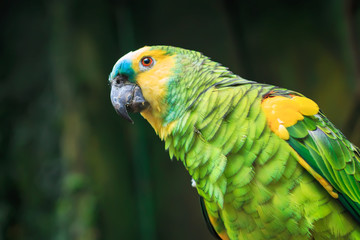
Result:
{"points": [[121, 78]]}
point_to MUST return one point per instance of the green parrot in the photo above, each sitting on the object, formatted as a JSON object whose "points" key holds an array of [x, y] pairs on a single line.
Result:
{"points": [[265, 160]]}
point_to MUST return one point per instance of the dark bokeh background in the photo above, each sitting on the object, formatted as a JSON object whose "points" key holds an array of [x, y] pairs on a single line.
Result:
{"points": [[70, 168]]}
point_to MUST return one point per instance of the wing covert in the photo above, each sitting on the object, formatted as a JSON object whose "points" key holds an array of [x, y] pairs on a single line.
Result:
{"points": [[323, 147]]}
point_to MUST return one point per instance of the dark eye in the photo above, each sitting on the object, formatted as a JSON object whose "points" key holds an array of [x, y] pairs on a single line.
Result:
{"points": [[147, 61]]}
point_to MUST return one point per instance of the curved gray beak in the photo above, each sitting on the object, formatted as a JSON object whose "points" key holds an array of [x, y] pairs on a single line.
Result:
{"points": [[126, 96]]}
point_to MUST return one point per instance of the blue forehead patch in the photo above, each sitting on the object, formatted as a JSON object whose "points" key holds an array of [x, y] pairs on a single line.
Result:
{"points": [[123, 67]]}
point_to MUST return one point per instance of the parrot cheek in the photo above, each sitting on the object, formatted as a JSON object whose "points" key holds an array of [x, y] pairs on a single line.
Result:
{"points": [[126, 97]]}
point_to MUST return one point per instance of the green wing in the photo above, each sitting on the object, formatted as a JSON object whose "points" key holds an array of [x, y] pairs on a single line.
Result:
{"points": [[331, 155], [207, 220]]}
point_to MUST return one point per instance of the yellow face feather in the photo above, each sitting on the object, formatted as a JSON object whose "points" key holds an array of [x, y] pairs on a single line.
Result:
{"points": [[153, 84]]}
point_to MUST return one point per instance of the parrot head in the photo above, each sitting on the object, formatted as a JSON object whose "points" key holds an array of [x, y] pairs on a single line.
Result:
{"points": [[139, 83], [160, 82]]}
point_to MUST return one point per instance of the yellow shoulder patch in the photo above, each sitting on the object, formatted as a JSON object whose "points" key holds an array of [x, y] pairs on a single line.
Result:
{"points": [[282, 112]]}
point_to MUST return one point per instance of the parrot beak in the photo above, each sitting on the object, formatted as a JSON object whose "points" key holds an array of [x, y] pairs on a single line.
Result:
{"points": [[126, 96]]}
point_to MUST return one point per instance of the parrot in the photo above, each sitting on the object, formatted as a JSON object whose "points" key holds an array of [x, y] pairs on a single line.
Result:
{"points": [[265, 161]]}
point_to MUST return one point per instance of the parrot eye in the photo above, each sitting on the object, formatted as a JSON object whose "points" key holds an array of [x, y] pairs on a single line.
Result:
{"points": [[146, 63]]}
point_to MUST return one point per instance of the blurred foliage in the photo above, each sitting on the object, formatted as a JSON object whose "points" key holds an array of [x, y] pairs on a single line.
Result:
{"points": [[70, 168]]}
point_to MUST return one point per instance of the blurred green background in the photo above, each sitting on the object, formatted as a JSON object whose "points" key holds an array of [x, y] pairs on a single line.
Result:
{"points": [[70, 168]]}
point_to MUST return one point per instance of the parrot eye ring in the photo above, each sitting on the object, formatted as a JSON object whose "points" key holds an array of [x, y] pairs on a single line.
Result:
{"points": [[146, 63]]}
